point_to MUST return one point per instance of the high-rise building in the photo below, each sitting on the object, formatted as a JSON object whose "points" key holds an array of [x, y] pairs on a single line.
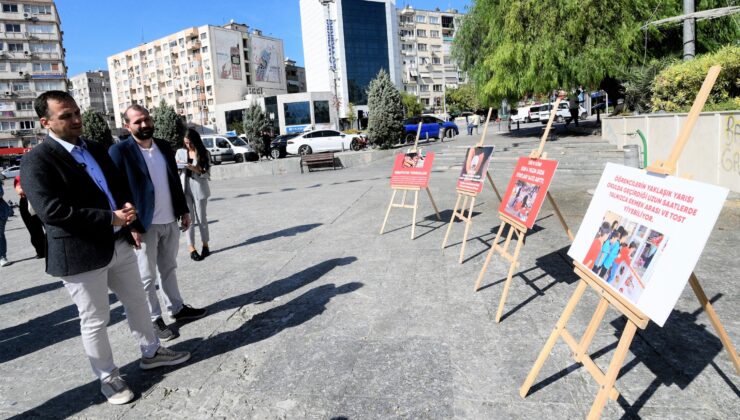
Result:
{"points": [[91, 90], [428, 68], [295, 76], [345, 44], [197, 68], [31, 62]]}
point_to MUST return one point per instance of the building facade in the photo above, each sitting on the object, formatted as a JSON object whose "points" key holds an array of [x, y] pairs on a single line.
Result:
{"points": [[345, 44], [92, 90], [295, 77], [31, 62], [197, 68], [428, 68]]}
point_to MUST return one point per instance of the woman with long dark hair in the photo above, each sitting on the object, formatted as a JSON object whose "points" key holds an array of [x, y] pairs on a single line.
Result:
{"points": [[194, 162]]}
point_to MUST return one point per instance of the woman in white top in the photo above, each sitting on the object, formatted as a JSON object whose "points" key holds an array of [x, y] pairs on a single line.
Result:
{"points": [[194, 163]]}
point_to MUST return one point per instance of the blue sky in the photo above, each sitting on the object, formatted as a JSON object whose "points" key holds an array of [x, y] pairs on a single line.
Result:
{"points": [[96, 29]]}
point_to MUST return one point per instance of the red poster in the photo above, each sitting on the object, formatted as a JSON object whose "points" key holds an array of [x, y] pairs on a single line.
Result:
{"points": [[474, 169], [527, 189], [412, 169]]}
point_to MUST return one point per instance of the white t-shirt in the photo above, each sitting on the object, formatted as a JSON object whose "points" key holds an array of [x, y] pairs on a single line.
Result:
{"points": [[163, 211]]}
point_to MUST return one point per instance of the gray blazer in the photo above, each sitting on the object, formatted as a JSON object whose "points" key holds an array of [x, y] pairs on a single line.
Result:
{"points": [[198, 182]]}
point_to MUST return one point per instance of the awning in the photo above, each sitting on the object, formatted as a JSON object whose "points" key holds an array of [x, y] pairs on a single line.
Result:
{"points": [[14, 150]]}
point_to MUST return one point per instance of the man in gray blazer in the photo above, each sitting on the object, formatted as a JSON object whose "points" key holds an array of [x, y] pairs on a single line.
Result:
{"points": [[148, 165], [87, 212]]}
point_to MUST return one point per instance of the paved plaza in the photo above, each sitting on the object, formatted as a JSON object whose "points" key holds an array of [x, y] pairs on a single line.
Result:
{"points": [[314, 315]]}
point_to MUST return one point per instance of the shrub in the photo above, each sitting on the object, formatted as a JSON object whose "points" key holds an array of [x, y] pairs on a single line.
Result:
{"points": [[676, 87]]}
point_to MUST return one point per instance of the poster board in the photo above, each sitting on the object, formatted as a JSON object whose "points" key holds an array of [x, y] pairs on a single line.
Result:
{"points": [[643, 234], [412, 169], [527, 189], [474, 169]]}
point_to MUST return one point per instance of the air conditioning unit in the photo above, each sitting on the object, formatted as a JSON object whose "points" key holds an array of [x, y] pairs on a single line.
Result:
{"points": [[14, 133], [26, 34], [26, 16], [8, 93], [27, 52]]}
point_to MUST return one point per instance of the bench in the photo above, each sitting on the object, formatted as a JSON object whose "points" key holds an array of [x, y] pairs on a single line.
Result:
{"points": [[318, 159]]}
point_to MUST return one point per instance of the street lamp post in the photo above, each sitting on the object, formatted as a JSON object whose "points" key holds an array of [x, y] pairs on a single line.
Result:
{"points": [[332, 63]]}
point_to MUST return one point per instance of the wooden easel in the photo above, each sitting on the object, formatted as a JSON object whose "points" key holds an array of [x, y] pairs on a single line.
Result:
{"points": [[635, 319], [519, 229], [459, 211], [406, 189]]}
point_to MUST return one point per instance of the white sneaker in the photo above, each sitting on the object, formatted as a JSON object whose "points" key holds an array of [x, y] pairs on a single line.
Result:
{"points": [[4, 261], [116, 390]]}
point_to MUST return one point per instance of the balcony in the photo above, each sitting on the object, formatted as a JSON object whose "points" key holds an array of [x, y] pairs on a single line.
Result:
{"points": [[194, 46]]}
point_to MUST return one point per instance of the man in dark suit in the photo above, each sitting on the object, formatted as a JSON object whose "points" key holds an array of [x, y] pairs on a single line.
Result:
{"points": [[87, 213], [148, 165]]}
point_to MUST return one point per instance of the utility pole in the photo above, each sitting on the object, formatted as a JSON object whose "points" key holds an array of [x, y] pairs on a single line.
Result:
{"points": [[689, 31]]}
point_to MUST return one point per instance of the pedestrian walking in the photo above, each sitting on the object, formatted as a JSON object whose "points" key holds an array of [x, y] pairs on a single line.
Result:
{"points": [[194, 176], [476, 122], [573, 109], [5, 212], [87, 212], [148, 165], [31, 220], [266, 140]]}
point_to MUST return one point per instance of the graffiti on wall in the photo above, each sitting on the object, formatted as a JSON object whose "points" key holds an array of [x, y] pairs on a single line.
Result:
{"points": [[730, 148]]}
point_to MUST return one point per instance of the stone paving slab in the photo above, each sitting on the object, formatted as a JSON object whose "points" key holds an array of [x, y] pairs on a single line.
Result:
{"points": [[314, 315]]}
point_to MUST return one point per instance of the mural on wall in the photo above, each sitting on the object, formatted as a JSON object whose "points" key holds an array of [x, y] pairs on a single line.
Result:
{"points": [[228, 61], [267, 59]]}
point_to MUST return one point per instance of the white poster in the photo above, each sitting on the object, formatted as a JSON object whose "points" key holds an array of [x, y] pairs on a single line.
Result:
{"points": [[643, 234], [227, 47], [267, 59]]}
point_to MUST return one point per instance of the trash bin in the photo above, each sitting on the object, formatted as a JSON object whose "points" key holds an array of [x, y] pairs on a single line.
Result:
{"points": [[632, 156]]}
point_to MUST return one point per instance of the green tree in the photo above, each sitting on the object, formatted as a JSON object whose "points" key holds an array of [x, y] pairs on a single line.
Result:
{"points": [[255, 122], [236, 126], [94, 127], [461, 99], [385, 123], [351, 115], [168, 125], [411, 105]]}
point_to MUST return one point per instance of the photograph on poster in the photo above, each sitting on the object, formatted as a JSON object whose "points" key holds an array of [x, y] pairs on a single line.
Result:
{"points": [[413, 160], [527, 189], [622, 253], [474, 169], [412, 169], [643, 234]]}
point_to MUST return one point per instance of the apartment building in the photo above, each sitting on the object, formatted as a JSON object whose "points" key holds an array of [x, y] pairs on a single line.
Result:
{"points": [[295, 77], [31, 62], [92, 90], [196, 69], [428, 68]]}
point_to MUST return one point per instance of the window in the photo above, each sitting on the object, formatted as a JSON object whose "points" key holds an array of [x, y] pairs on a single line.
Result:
{"points": [[406, 32], [437, 88], [44, 9], [16, 67], [406, 47], [436, 60], [321, 112], [2, 66], [43, 48], [27, 125], [434, 20], [420, 18], [10, 8], [7, 125], [297, 113], [422, 47], [49, 85], [421, 33], [45, 67], [434, 34], [15, 47], [204, 35], [12, 27], [23, 106], [40, 29], [423, 88], [173, 44], [204, 49]]}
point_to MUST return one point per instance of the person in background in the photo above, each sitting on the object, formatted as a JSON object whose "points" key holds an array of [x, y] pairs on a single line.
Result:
{"points": [[266, 140], [476, 122], [5, 212], [195, 162], [32, 221]]}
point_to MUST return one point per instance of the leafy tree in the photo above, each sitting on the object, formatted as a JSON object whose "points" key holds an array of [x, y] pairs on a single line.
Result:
{"points": [[385, 123], [255, 122], [637, 84], [95, 127], [168, 125], [237, 127], [512, 48], [461, 99], [411, 105], [351, 115]]}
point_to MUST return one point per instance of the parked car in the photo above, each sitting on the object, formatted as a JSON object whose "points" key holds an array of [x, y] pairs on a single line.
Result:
{"points": [[562, 113], [432, 127], [219, 149], [11, 172], [524, 114], [319, 141], [278, 144]]}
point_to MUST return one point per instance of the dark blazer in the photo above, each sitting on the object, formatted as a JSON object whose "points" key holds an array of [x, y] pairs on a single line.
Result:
{"points": [[74, 210], [128, 159]]}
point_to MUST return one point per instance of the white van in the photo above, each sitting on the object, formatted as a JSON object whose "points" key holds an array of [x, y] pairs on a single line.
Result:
{"points": [[562, 114], [242, 151]]}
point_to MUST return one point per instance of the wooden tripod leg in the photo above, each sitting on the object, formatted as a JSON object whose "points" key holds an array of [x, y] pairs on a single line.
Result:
{"points": [[468, 222], [436, 210], [590, 332], [512, 267], [550, 343], [560, 216], [488, 257], [721, 332], [403, 199], [452, 220], [614, 367], [488, 175], [413, 218], [388, 212]]}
